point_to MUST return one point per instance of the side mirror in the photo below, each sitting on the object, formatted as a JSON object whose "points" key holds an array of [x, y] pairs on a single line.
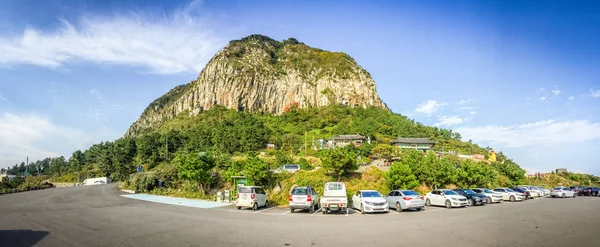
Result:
{"points": [[442, 194]]}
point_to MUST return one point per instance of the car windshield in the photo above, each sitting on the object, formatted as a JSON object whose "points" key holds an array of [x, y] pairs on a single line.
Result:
{"points": [[300, 191], [487, 191], [509, 190], [410, 193], [469, 192], [449, 192], [557, 189], [371, 194]]}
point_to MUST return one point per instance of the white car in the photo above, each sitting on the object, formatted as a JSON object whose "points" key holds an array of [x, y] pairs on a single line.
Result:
{"points": [[510, 195], [405, 199], [492, 197], [288, 168], [562, 192], [447, 198], [251, 196], [369, 201]]}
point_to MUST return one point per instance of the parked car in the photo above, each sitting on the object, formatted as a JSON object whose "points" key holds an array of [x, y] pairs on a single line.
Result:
{"points": [[526, 192], [562, 192], [590, 191], [508, 194], [334, 198], [492, 197], [251, 196], [288, 168], [447, 198], [533, 191], [369, 201], [304, 198], [577, 189], [472, 197], [405, 199], [540, 190]]}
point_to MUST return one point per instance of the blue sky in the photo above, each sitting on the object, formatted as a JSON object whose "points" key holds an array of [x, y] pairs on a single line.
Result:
{"points": [[519, 76]]}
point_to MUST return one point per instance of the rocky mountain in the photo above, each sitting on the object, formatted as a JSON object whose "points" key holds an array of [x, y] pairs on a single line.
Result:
{"points": [[259, 74]]}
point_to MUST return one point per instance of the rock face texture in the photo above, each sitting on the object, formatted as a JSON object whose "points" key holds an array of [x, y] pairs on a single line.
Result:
{"points": [[259, 74]]}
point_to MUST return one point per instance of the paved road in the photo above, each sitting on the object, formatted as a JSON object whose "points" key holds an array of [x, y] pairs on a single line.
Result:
{"points": [[98, 216]]}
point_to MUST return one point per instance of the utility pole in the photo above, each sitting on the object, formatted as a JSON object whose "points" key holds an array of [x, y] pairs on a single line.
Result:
{"points": [[305, 140]]}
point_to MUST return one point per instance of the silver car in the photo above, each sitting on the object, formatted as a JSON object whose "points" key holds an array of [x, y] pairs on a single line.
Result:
{"points": [[562, 192], [304, 198], [405, 199]]}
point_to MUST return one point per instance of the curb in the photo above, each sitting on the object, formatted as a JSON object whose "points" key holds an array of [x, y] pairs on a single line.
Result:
{"points": [[130, 191]]}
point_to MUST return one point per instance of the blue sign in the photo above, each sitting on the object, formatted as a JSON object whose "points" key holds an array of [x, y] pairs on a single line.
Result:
{"points": [[140, 169]]}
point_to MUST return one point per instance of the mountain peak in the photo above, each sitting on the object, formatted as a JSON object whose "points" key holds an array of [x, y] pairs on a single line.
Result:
{"points": [[260, 74]]}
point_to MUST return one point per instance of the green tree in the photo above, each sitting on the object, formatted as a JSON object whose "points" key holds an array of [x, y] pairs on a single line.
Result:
{"points": [[257, 172], [195, 167], [339, 162], [400, 176], [385, 151]]}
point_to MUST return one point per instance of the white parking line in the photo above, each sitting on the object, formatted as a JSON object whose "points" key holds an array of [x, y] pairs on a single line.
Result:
{"points": [[286, 212], [266, 209], [318, 210]]}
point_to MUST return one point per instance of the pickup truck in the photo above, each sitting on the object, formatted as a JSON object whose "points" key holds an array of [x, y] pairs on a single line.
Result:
{"points": [[334, 198]]}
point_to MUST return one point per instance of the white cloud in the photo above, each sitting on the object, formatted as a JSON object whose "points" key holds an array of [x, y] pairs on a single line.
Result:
{"points": [[571, 98], [38, 138], [528, 98], [556, 92], [464, 101], [449, 120], [595, 94], [430, 106], [542, 89], [543, 98], [175, 43], [3, 99], [537, 134], [473, 112]]}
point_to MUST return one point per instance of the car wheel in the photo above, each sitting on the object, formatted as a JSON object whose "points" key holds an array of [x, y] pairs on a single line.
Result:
{"points": [[573, 195], [398, 207], [292, 210], [255, 206], [311, 209], [362, 209], [469, 202], [266, 204], [428, 203], [553, 196], [448, 204], [489, 200], [239, 208], [563, 195], [421, 209], [324, 211], [512, 198]]}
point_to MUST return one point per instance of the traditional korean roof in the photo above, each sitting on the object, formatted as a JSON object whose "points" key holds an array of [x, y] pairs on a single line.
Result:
{"points": [[414, 141]]}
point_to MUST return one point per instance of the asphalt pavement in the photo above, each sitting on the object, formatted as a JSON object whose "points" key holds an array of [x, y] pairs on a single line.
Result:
{"points": [[98, 216]]}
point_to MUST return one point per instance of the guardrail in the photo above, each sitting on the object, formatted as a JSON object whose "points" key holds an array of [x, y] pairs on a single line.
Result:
{"points": [[12, 191]]}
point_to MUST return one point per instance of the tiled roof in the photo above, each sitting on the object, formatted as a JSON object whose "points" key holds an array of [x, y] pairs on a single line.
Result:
{"points": [[349, 137], [414, 141]]}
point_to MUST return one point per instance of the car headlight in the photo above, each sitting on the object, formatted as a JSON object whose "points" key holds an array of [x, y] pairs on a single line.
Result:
{"points": [[454, 198]]}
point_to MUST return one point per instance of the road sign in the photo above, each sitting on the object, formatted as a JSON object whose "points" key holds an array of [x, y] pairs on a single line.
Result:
{"points": [[140, 169]]}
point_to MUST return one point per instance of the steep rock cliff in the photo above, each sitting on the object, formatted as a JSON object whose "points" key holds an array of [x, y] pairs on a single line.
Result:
{"points": [[259, 74]]}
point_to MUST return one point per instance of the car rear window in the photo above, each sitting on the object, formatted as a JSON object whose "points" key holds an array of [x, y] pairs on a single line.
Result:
{"points": [[245, 190], [557, 189], [410, 193], [334, 187], [300, 191]]}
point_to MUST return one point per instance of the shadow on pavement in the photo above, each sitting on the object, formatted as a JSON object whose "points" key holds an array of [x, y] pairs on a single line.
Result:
{"points": [[21, 238]]}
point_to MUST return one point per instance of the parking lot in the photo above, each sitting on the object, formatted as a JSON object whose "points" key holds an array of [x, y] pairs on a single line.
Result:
{"points": [[99, 216]]}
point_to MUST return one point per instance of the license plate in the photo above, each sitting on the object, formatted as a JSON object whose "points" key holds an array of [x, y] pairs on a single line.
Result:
{"points": [[333, 206]]}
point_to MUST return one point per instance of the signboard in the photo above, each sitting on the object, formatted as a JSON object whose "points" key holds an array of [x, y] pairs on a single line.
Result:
{"points": [[139, 169]]}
